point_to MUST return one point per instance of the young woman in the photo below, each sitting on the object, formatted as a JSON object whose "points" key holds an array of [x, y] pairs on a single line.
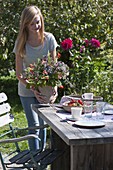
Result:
{"points": [[32, 43]]}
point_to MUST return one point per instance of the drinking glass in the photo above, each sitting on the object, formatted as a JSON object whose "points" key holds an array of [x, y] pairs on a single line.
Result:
{"points": [[76, 112], [88, 107], [99, 109]]}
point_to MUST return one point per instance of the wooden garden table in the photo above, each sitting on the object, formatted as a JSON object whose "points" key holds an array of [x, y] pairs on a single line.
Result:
{"points": [[85, 149]]}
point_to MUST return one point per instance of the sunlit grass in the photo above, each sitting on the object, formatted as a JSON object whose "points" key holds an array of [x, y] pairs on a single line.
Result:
{"points": [[9, 86]]}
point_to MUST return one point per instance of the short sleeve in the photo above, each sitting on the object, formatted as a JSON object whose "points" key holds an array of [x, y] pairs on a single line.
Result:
{"points": [[14, 49], [52, 43]]}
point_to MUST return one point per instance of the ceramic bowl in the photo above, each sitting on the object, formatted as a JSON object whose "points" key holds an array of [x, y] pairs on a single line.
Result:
{"points": [[66, 107]]}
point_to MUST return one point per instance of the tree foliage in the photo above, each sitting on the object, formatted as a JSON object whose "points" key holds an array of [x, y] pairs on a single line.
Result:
{"points": [[78, 19]]}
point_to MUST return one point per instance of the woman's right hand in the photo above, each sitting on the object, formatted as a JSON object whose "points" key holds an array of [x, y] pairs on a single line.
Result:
{"points": [[41, 98], [46, 95]]}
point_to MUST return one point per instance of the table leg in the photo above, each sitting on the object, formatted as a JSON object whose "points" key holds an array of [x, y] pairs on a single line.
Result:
{"points": [[83, 157], [63, 162], [92, 157]]}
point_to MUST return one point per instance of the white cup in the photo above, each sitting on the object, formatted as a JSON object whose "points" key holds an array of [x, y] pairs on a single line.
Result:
{"points": [[76, 112], [87, 96]]}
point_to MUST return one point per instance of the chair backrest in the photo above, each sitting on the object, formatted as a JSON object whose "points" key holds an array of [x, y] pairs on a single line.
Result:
{"points": [[3, 97], [5, 116]]}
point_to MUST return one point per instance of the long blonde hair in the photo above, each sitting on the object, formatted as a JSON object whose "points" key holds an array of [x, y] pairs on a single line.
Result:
{"points": [[27, 16]]}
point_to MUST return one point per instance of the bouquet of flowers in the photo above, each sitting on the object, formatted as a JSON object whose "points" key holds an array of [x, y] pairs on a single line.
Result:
{"points": [[45, 73]]}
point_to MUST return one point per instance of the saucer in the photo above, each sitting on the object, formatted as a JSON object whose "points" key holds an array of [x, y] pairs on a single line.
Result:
{"points": [[73, 119], [108, 112]]}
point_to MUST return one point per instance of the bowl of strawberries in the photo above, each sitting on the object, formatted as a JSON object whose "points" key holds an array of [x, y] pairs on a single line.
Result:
{"points": [[72, 103]]}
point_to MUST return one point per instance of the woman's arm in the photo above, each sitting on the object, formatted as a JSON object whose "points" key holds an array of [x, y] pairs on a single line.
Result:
{"points": [[53, 55], [19, 69]]}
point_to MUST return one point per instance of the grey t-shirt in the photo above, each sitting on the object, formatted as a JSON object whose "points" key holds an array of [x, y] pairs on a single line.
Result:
{"points": [[32, 53]]}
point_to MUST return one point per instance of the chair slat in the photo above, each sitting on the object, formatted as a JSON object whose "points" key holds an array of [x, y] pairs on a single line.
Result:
{"points": [[19, 156], [27, 157], [3, 97], [4, 108], [6, 119], [42, 155], [50, 158]]}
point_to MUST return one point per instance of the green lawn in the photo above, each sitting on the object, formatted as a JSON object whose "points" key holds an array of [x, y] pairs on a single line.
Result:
{"points": [[9, 86]]}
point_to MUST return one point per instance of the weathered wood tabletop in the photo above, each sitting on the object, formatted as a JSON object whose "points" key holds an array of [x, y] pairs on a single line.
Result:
{"points": [[86, 148]]}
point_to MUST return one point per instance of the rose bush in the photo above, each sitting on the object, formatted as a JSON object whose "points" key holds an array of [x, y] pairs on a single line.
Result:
{"points": [[80, 56]]}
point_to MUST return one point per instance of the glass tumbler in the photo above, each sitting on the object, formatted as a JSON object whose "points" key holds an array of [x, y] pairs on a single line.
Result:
{"points": [[88, 108], [99, 109]]}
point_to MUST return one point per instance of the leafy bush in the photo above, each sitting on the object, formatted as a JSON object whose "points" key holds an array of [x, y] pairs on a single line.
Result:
{"points": [[76, 19]]}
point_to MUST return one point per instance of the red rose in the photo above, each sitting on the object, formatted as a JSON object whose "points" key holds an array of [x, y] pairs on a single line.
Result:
{"points": [[95, 43], [67, 44], [86, 42]]}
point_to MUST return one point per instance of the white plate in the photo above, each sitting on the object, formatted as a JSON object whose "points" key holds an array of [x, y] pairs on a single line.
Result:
{"points": [[108, 112], [89, 123]]}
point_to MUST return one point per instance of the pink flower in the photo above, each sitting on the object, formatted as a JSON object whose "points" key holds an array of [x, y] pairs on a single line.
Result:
{"points": [[82, 49], [86, 42], [95, 43], [45, 72], [67, 44], [31, 66]]}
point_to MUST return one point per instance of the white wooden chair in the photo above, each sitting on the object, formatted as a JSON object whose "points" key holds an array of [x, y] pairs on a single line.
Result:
{"points": [[22, 159]]}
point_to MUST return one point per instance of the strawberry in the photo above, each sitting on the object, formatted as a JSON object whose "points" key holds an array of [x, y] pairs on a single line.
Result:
{"points": [[73, 101], [80, 102]]}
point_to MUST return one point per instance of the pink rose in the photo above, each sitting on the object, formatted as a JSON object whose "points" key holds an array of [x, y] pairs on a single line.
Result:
{"points": [[67, 44], [86, 42], [95, 43]]}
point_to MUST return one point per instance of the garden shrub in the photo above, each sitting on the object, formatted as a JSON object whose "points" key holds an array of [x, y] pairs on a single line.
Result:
{"points": [[76, 19]]}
